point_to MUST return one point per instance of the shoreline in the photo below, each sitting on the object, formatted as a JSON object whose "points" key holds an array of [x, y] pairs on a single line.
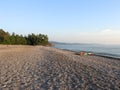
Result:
{"points": [[110, 57], [95, 54]]}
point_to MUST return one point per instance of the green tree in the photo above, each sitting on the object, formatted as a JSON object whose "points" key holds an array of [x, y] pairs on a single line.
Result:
{"points": [[4, 37], [31, 39]]}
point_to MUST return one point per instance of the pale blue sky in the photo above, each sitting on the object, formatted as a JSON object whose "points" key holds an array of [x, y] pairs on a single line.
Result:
{"points": [[64, 20]]}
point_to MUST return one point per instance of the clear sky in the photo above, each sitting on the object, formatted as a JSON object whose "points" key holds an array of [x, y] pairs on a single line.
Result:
{"points": [[81, 21]]}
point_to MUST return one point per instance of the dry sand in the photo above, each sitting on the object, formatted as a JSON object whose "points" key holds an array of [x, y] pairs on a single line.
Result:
{"points": [[46, 68]]}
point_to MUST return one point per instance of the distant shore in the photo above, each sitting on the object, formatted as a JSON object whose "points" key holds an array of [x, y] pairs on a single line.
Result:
{"points": [[40, 67]]}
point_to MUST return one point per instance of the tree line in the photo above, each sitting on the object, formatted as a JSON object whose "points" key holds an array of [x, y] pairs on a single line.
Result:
{"points": [[30, 39]]}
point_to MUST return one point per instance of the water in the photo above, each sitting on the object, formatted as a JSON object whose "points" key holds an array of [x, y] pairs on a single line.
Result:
{"points": [[104, 50]]}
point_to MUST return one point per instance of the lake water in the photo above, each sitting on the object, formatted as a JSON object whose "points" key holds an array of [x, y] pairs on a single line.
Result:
{"points": [[104, 50]]}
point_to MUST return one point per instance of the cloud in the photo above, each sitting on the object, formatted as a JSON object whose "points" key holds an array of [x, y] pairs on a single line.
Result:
{"points": [[106, 36], [111, 32], [110, 36]]}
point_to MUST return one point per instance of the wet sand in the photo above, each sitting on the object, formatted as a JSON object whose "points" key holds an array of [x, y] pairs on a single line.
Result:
{"points": [[47, 68]]}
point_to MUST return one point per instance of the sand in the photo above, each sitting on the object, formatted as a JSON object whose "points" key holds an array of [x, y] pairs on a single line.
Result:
{"points": [[47, 68]]}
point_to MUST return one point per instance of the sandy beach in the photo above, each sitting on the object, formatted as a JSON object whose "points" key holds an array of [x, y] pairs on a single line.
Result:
{"points": [[47, 68]]}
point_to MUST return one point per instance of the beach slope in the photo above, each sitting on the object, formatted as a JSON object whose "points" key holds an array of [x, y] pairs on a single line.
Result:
{"points": [[47, 68]]}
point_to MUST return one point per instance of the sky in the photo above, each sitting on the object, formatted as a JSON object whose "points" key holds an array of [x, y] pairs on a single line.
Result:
{"points": [[74, 21]]}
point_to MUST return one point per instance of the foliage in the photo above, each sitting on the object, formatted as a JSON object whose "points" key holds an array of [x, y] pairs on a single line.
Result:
{"points": [[15, 39]]}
